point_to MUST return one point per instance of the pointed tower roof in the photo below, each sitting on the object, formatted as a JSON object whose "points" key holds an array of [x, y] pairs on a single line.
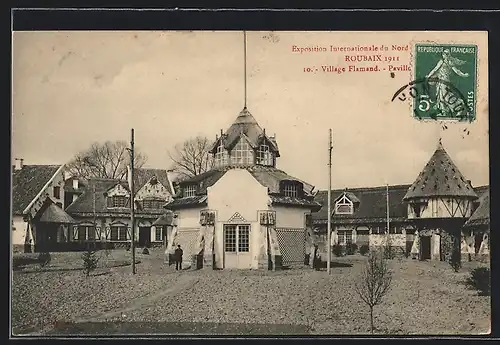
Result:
{"points": [[440, 177], [245, 126]]}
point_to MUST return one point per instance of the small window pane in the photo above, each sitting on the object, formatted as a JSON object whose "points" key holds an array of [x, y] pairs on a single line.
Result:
{"points": [[114, 233], [190, 190], [230, 238], [243, 238], [290, 190], [122, 233], [119, 201]]}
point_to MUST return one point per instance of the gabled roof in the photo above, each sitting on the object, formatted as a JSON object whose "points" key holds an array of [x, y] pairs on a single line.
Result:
{"points": [[350, 195], [247, 127], [143, 175], [85, 203], [372, 204], [28, 182], [481, 215], [440, 177]]}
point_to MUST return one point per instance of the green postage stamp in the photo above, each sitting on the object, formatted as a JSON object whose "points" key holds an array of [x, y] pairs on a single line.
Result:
{"points": [[446, 80]]}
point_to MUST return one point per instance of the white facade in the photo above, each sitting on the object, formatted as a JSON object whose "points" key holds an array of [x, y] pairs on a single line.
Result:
{"points": [[19, 228], [240, 239], [237, 197]]}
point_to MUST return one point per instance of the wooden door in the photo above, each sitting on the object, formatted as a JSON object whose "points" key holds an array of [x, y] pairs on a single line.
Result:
{"points": [[425, 247], [237, 246]]}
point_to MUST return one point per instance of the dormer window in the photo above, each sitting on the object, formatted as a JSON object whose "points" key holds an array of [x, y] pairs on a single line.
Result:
{"points": [[119, 201], [344, 206], [221, 155], [242, 153], [265, 156], [189, 190], [290, 190]]}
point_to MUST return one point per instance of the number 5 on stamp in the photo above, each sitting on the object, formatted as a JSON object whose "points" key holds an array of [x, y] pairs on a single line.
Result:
{"points": [[445, 82]]}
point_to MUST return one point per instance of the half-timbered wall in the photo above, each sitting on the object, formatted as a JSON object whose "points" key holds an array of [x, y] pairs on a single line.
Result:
{"points": [[153, 190], [442, 207]]}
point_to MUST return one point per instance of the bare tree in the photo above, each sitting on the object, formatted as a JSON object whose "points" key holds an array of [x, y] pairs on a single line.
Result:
{"points": [[105, 160], [374, 282], [191, 157]]}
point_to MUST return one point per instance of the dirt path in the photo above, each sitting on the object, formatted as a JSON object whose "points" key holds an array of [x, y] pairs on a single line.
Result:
{"points": [[184, 281]]}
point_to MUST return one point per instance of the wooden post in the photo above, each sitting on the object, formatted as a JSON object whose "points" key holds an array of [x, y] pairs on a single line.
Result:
{"points": [[329, 226], [132, 203]]}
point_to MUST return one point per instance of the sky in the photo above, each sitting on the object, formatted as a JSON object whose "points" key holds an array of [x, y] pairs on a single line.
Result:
{"points": [[71, 89]]}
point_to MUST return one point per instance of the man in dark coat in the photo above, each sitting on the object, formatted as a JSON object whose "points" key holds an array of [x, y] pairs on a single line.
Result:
{"points": [[178, 258]]}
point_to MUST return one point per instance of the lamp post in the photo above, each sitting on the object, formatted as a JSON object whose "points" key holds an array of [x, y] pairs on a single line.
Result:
{"points": [[329, 226]]}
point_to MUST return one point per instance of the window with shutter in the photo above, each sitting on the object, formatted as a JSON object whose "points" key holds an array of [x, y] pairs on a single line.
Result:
{"points": [[158, 233], [114, 233], [122, 233]]}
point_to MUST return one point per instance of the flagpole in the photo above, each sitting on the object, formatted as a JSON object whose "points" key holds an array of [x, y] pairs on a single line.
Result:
{"points": [[329, 226], [245, 65], [94, 215], [387, 209], [132, 197]]}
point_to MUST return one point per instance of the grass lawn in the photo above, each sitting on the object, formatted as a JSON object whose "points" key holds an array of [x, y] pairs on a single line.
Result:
{"points": [[425, 298]]}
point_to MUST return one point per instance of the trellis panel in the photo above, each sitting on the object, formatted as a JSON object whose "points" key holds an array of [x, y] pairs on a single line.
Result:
{"points": [[292, 243], [187, 239]]}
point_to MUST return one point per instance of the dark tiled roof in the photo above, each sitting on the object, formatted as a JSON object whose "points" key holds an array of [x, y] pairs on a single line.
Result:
{"points": [[267, 176], [480, 190], [165, 219], [84, 205], [245, 125], [28, 182], [51, 213], [372, 204], [189, 201], [143, 175], [286, 200], [440, 177], [481, 215]]}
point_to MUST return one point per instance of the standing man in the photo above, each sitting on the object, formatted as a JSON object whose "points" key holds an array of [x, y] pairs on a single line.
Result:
{"points": [[178, 258]]}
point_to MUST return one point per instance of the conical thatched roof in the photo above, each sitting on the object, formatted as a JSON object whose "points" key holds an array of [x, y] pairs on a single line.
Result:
{"points": [[245, 125], [55, 214], [481, 215], [440, 177]]}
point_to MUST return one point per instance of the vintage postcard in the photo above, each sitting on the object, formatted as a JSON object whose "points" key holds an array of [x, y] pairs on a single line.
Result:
{"points": [[250, 183]]}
